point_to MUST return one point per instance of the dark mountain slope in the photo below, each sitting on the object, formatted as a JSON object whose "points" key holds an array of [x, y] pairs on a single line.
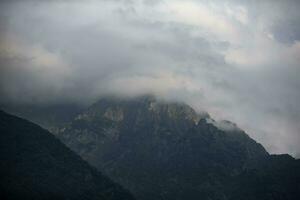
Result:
{"points": [[277, 177], [163, 150], [36, 165], [48, 116]]}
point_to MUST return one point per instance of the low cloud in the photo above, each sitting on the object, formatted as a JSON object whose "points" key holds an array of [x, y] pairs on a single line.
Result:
{"points": [[237, 60]]}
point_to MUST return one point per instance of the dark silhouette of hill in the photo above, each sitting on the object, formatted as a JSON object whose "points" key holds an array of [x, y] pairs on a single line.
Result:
{"points": [[36, 165]]}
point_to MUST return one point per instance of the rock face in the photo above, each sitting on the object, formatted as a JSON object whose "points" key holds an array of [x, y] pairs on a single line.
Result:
{"points": [[162, 150], [36, 165]]}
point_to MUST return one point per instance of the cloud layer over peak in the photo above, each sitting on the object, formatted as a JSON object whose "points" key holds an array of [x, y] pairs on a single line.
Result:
{"points": [[237, 60]]}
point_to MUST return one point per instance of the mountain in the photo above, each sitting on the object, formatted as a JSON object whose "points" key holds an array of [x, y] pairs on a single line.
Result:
{"points": [[277, 177], [36, 165], [49, 117], [166, 150]]}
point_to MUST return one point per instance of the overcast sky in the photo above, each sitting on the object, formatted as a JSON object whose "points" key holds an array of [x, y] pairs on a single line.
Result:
{"points": [[237, 60]]}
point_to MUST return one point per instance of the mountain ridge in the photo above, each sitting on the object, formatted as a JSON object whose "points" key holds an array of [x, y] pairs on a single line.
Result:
{"points": [[36, 165], [134, 140], [162, 150]]}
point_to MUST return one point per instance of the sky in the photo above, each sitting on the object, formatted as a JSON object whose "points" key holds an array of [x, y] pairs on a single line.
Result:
{"points": [[238, 60]]}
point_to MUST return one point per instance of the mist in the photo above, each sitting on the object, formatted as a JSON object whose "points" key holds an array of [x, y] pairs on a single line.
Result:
{"points": [[236, 60]]}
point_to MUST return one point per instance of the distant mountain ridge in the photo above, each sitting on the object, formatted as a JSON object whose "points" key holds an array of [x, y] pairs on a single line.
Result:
{"points": [[165, 150], [50, 117], [35, 165]]}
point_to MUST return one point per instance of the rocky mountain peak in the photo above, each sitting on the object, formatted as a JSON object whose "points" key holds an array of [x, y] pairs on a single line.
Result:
{"points": [[117, 109]]}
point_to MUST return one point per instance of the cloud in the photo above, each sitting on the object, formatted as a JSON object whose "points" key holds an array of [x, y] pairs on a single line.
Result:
{"points": [[30, 72], [237, 60]]}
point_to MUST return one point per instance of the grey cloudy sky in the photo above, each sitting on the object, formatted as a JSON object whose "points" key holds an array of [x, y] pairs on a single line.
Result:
{"points": [[238, 60]]}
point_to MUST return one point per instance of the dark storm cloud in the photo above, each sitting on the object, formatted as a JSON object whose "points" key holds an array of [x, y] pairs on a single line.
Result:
{"points": [[239, 60]]}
